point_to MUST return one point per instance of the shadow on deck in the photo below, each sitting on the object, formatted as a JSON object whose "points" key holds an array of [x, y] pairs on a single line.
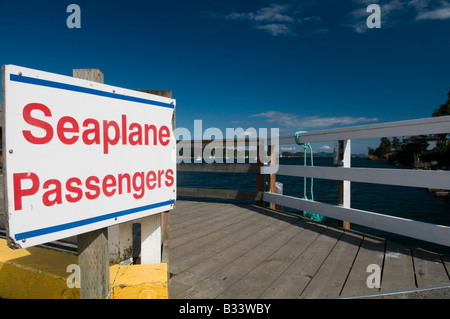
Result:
{"points": [[221, 250]]}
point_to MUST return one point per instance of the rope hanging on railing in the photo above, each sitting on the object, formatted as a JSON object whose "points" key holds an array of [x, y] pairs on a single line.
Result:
{"points": [[307, 146]]}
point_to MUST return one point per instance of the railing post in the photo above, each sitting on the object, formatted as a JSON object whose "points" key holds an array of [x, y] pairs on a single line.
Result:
{"points": [[344, 187], [259, 176], [151, 239], [273, 177]]}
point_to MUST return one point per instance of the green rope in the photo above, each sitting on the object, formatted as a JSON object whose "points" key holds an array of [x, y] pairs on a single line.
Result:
{"points": [[307, 146]]}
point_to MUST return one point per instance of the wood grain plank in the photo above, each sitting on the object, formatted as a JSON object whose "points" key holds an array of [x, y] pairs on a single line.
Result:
{"points": [[331, 276], [185, 261], [429, 269], [293, 281], [188, 242], [398, 270], [189, 228], [370, 252], [235, 269], [267, 271], [206, 268]]}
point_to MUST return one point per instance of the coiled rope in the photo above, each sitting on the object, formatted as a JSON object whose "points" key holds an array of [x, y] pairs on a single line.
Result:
{"points": [[307, 146]]}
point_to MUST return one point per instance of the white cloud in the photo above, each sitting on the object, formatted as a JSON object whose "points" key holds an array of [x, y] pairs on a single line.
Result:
{"points": [[438, 14], [325, 148], [276, 29], [287, 121], [281, 19], [274, 19], [273, 13]]}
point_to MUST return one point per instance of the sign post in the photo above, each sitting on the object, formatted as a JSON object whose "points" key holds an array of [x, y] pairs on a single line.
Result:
{"points": [[80, 156], [93, 249]]}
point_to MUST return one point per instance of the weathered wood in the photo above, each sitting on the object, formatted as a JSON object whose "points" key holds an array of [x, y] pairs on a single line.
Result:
{"points": [[190, 212], [262, 253], [267, 271], [89, 74], [93, 250], [330, 278], [206, 234], [207, 246], [93, 260], [248, 241], [429, 269], [120, 240], [257, 248], [194, 225], [165, 93], [398, 271], [370, 252], [298, 275]]}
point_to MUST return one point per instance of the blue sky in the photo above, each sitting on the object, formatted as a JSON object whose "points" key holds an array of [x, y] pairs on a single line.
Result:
{"points": [[296, 65]]}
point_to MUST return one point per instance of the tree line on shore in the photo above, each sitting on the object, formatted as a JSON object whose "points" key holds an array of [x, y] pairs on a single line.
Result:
{"points": [[423, 151]]}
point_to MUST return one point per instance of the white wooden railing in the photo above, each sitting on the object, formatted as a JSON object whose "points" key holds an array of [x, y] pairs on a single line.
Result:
{"points": [[402, 177]]}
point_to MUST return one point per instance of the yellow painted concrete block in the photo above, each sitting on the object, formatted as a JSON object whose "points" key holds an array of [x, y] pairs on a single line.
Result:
{"points": [[139, 281], [40, 273], [35, 273]]}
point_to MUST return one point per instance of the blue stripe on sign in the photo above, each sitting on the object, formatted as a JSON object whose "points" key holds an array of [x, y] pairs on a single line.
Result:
{"points": [[70, 87], [57, 228]]}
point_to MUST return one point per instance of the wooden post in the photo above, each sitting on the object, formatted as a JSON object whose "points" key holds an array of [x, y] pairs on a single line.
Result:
{"points": [[93, 252], [120, 239], [344, 192], [94, 266]]}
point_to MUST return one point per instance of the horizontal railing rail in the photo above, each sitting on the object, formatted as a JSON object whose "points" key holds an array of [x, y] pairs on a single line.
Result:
{"points": [[344, 173], [399, 177]]}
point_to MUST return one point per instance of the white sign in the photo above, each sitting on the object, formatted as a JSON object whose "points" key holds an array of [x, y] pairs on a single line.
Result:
{"points": [[80, 155]]}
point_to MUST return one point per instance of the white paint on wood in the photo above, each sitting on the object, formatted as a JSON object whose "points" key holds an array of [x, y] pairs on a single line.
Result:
{"points": [[151, 239], [346, 162], [438, 234], [432, 125], [398, 177]]}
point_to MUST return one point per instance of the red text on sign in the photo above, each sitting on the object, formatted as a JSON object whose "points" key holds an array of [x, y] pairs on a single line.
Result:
{"points": [[105, 132]]}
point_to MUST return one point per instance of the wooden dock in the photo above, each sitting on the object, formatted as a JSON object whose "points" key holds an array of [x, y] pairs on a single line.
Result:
{"points": [[223, 250]]}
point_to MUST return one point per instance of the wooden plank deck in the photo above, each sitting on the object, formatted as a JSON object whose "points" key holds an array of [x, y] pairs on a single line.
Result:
{"points": [[222, 250]]}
